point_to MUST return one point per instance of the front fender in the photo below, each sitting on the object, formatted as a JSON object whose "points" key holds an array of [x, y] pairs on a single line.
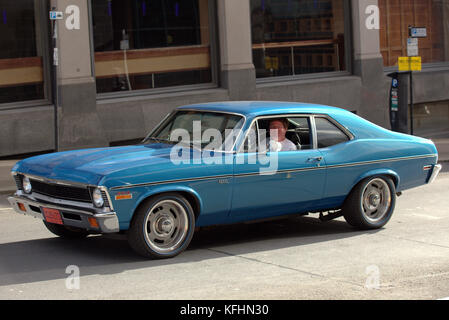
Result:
{"points": [[155, 190]]}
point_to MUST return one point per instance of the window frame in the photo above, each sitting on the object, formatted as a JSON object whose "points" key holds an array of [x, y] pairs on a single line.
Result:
{"points": [[314, 133], [169, 117], [214, 62], [348, 27], [43, 42], [240, 149], [343, 129]]}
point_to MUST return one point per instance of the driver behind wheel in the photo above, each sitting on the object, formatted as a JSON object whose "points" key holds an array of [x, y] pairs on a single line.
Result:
{"points": [[278, 141]]}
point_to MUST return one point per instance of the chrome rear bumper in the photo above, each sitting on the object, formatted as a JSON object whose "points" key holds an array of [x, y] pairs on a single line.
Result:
{"points": [[72, 217], [436, 170]]}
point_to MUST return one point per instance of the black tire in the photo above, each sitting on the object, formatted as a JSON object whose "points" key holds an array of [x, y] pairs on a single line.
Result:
{"points": [[66, 232], [359, 203], [162, 227]]}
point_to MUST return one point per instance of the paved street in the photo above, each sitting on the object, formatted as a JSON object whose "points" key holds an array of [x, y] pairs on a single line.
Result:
{"points": [[297, 258]]}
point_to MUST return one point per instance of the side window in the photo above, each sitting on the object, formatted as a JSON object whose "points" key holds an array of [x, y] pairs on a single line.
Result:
{"points": [[328, 134], [299, 133], [293, 133]]}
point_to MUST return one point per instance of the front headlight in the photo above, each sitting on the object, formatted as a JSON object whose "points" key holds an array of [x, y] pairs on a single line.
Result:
{"points": [[26, 185], [97, 197]]}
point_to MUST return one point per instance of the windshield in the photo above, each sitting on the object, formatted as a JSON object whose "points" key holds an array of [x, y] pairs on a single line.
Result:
{"points": [[205, 130]]}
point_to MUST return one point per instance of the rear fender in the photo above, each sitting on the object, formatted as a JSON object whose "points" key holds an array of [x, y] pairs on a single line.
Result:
{"points": [[380, 172]]}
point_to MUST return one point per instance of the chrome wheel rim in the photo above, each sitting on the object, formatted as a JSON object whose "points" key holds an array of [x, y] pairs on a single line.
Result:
{"points": [[166, 226], [376, 200]]}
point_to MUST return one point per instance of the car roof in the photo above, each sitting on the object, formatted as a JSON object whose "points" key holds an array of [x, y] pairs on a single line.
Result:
{"points": [[260, 108]]}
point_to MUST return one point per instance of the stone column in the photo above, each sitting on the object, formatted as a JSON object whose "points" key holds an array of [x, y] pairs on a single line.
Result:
{"points": [[237, 68], [368, 64], [79, 124]]}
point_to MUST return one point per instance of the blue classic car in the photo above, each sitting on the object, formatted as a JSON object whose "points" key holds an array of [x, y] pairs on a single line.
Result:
{"points": [[222, 163]]}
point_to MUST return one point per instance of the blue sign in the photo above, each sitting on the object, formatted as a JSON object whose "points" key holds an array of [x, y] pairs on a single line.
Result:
{"points": [[395, 83], [56, 15], [418, 32]]}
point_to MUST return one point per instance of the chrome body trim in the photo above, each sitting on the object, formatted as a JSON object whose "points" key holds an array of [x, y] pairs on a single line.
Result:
{"points": [[57, 182], [46, 199], [170, 182], [108, 221], [106, 191], [381, 161], [278, 172], [336, 123], [69, 184], [436, 170], [311, 118]]}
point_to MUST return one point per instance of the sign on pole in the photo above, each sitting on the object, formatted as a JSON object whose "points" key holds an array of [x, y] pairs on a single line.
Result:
{"points": [[410, 64], [412, 47]]}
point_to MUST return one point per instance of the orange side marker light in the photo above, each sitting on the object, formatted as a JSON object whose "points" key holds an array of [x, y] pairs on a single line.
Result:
{"points": [[22, 207], [94, 223]]}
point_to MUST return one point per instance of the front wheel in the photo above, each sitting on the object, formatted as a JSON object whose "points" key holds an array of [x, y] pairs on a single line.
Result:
{"points": [[371, 204], [162, 227]]}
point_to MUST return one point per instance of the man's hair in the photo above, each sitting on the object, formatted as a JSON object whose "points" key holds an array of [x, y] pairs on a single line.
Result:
{"points": [[284, 121]]}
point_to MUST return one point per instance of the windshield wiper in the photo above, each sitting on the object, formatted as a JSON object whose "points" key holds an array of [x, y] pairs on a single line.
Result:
{"points": [[158, 140]]}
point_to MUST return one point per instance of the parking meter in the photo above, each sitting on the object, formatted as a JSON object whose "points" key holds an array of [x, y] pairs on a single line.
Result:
{"points": [[399, 101]]}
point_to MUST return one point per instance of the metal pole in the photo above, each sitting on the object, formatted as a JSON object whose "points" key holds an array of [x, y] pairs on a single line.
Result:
{"points": [[55, 81], [411, 104]]}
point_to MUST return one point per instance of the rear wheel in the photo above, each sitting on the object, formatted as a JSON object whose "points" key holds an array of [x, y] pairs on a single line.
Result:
{"points": [[163, 227], [371, 204], [66, 232]]}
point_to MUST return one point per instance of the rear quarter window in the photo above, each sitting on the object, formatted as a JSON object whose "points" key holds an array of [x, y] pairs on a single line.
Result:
{"points": [[328, 134]]}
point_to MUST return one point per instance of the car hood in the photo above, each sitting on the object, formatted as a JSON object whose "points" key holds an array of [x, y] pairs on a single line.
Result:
{"points": [[90, 166]]}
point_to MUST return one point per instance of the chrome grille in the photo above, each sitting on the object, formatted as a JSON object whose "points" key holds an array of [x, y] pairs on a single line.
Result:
{"points": [[61, 191], [18, 179], [105, 198]]}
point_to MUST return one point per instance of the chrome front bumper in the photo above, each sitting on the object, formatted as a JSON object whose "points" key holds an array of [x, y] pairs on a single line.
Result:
{"points": [[71, 216], [436, 170]]}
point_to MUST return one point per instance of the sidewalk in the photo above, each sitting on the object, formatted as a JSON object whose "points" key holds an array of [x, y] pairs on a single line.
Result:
{"points": [[7, 184]]}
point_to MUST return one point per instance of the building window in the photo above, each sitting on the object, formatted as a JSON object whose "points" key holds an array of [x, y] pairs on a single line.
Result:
{"points": [[397, 16], [431, 120], [21, 59], [295, 37], [145, 44]]}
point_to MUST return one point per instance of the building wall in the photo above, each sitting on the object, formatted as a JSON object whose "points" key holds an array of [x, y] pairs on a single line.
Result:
{"points": [[87, 120]]}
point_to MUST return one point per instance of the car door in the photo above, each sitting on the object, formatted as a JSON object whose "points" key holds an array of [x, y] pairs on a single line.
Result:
{"points": [[277, 183], [338, 147]]}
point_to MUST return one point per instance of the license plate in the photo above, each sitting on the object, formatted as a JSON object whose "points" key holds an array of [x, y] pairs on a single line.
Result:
{"points": [[52, 216]]}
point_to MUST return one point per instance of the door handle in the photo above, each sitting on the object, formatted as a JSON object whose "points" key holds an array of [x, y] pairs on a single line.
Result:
{"points": [[317, 159]]}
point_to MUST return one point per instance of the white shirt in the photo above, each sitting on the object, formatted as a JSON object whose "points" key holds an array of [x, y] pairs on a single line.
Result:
{"points": [[282, 146]]}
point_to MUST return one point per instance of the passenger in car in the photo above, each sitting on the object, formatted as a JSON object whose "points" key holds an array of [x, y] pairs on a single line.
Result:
{"points": [[278, 142]]}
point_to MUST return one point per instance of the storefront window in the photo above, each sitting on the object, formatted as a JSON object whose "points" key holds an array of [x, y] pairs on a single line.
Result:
{"points": [[294, 37], [431, 120], [398, 15], [21, 66], [144, 44]]}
